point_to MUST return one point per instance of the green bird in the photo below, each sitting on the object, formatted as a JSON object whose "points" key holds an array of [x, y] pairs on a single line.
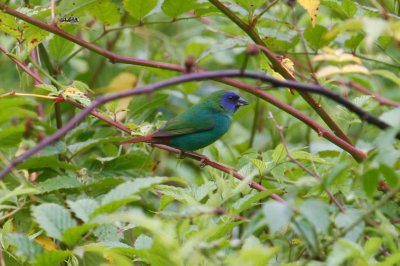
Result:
{"points": [[200, 125]]}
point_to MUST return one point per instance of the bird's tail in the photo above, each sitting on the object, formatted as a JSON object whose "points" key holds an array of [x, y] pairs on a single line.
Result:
{"points": [[137, 140]]}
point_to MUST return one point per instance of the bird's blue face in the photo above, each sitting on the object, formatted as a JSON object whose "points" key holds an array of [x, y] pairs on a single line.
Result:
{"points": [[231, 101]]}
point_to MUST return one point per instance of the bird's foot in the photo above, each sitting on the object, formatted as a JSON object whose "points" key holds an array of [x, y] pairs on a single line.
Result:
{"points": [[181, 155], [203, 162]]}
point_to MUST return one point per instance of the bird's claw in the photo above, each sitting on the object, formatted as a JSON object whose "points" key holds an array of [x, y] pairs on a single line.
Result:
{"points": [[181, 155], [203, 162]]}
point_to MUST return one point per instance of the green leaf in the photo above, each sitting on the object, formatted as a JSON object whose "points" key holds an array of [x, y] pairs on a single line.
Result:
{"points": [[113, 206], [314, 36], [370, 182], [11, 136], [79, 147], [279, 153], [174, 8], [52, 257], [316, 212], [25, 247], [277, 214], [45, 162], [129, 189], [346, 219], [250, 5], [59, 48], [47, 87], [372, 246], [349, 8], [72, 235], [53, 219], [141, 108], [250, 200], [106, 11], [388, 75], [83, 208], [389, 174], [59, 182], [9, 25], [139, 8]]}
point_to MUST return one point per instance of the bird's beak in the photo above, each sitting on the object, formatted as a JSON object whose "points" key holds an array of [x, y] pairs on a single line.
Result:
{"points": [[242, 102]]}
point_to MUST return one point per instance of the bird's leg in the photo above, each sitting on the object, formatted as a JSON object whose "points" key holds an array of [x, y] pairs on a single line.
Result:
{"points": [[181, 154], [203, 160]]}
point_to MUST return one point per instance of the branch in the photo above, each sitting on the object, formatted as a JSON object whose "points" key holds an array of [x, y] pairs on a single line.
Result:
{"points": [[156, 86], [362, 89], [358, 155], [249, 30]]}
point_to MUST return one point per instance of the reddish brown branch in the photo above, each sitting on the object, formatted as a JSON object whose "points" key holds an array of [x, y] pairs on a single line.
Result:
{"points": [[249, 30], [252, 89], [362, 89]]}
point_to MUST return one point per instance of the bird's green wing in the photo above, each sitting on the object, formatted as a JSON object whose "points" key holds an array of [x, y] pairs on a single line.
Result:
{"points": [[191, 121]]}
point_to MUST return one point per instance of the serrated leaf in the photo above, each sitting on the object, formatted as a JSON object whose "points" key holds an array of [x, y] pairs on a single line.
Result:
{"points": [[312, 8], [53, 219], [139, 8], [83, 208], [277, 215], [59, 182], [174, 8], [25, 247], [129, 189]]}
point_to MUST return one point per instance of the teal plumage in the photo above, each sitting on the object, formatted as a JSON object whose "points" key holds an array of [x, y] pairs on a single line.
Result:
{"points": [[200, 125]]}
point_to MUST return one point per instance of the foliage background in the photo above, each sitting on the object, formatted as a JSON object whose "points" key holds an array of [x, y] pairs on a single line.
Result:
{"points": [[87, 201]]}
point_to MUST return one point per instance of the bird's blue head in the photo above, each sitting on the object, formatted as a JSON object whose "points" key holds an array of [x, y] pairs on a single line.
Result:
{"points": [[230, 101]]}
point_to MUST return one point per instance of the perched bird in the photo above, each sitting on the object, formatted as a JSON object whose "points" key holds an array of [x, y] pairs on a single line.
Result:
{"points": [[200, 125]]}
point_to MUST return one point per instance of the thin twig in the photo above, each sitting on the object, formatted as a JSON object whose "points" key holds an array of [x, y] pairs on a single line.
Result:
{"points": [[299, 164]]}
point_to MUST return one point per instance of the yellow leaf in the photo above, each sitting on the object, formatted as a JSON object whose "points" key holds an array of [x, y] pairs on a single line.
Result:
{"points": [[122, 81], [337, 56], [72, 92], [288, 65], [332, 70], [46, 242], [312, 7]]}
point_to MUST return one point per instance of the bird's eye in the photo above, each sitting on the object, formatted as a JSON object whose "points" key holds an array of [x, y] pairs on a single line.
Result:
{"points": [[230, 97]]}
